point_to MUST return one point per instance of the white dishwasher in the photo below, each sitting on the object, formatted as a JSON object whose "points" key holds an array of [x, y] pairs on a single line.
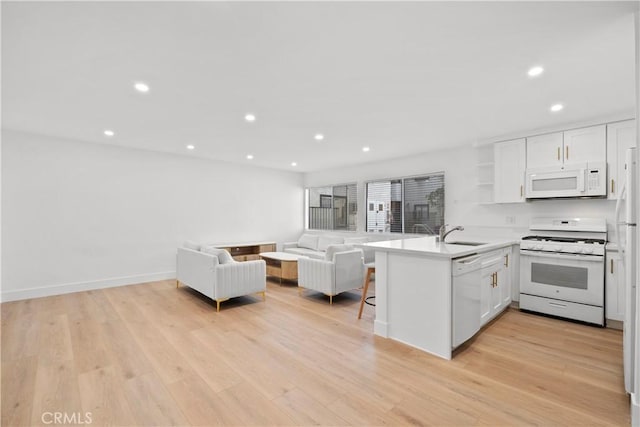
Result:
{"points": [[466, 277]]}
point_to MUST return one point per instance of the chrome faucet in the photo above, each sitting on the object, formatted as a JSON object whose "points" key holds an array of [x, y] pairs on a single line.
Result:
{"points": [[444, 233]]}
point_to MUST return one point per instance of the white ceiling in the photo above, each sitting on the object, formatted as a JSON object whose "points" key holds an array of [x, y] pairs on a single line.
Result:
{"points": [[401, 78]]}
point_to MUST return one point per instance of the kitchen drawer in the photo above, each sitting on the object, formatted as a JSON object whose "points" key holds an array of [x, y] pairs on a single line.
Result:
{"points": [[570, 310]]}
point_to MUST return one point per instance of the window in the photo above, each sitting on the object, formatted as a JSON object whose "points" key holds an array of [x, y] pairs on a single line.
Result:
{"points": [[333, 208], [409, 205]]}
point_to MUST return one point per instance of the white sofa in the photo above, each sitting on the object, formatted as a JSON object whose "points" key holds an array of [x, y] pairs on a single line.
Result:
{"points": [[342, 270], [315, 245], [214, 273]]}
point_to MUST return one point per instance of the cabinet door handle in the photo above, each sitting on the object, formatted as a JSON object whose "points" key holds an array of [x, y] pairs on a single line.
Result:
{"points": [[611, 266], [506, 260], [567, 152], [613, 185], [558, 153]]}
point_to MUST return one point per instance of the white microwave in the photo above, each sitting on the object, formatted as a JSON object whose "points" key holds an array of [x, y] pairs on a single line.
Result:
{"points": [[578, 180]]}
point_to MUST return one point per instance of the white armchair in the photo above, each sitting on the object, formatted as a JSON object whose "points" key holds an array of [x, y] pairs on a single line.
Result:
{"points": [[204, 273], [341, 271]]}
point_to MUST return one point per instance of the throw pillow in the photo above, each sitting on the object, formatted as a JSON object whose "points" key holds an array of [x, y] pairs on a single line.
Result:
{"points": [[333, 249], [308, 241], [224, 257], [325, 241]]}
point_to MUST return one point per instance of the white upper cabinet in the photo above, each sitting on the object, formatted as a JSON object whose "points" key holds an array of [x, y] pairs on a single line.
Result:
{"points": [[569, 147], [585, 145], [509, 171], [544, 150], [620, 137]]}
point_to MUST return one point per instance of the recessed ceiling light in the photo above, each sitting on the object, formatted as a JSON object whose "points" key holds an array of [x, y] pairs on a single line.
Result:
{"points": [[141, 87], [319, 137], [191, 147], [250, 118], [294, 164], [250, 156], [109, 132], [535, 71], [556, 107], [366, 149]]}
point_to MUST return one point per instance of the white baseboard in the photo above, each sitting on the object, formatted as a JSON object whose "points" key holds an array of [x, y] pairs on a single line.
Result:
{"points": [[381, 328], [68, 288]]}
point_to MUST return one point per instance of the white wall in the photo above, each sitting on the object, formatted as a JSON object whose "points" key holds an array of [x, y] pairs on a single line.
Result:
{"points": [[462, 193], [79, 216]]}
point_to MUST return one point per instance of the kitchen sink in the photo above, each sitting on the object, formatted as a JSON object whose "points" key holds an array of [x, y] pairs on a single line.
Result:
{"points": [[459, 242]]}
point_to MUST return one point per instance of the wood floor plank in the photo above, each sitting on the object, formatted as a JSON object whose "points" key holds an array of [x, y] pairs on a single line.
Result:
{"points": [[154, 354], [55, 389], [154, 405], [253, 407], [246, 359], [18, 382], [88, 343], [125, 355], [101, 396], [305, 410], [20, 337], [202, 405], [54, 339]]}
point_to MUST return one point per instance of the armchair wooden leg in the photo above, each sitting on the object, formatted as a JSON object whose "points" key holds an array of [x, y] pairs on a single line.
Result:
{"points": [[330, 299], [264, 295], [177, 283]]}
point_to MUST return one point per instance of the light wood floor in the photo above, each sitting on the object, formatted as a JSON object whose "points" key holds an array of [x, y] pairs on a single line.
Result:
{"points": [[152, 354]]}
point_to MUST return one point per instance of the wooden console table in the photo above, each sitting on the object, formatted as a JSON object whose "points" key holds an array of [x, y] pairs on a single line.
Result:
{"points": [[248, 251]]}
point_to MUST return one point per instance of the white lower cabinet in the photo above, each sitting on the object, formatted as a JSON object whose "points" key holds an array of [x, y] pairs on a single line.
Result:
{"points": [[495, 286], [614, 287]]}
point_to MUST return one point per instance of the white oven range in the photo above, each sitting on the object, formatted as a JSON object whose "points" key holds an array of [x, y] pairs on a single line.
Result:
{"points": [[562, 268]]}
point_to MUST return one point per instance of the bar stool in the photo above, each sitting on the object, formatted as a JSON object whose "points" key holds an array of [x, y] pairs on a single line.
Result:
{"points": [[371, 268]]}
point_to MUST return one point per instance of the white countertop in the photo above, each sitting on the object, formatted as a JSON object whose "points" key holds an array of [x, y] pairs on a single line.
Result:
{"points": [[428, 246]]}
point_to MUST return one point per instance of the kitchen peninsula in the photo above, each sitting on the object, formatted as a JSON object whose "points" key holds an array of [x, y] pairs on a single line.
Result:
{"points": [[434, 296]]}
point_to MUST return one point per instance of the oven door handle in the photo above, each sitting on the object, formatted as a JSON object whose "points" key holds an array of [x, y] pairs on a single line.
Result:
{"points": [[555, 255]]}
